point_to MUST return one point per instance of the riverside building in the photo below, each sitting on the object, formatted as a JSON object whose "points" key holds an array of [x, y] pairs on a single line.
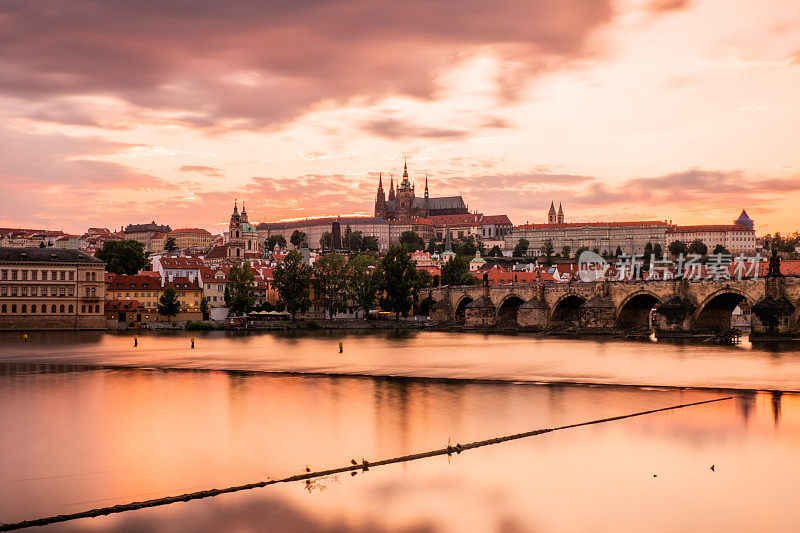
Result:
{"points": [[51, 288]]}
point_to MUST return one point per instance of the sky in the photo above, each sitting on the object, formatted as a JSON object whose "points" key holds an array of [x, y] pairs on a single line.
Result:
{"points": [[115, 112]]}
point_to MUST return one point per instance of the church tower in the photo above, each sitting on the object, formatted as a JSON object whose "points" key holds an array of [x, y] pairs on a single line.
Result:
{"points": [[405, 196], [560, 214], [551, 215], [391, 188], [235, 239], [380, 199]]}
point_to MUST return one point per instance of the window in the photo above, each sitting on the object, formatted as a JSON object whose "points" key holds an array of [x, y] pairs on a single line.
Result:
{"points": [[4, 291], [13, 274], [71, 276], [62, 291], [61, 309], [13, 290], [44, 309], [34, 274], [53, 308], [4, 274], [4, 308], [53, 290], [94, 276], [87, 277], [83, 308], [71, 291], [33, 308], [23, 291], [70, 308], [96, 308], [24, 274], [24, 308], [14, 308], [87, 291], [63, 275], [93, 291]]}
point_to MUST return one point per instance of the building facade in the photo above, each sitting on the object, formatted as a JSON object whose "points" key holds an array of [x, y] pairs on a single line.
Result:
{"points": [[144, 234], [51, 288], [199, 238], [315, 227], [630, 237], [734, 238], [403, 204]]}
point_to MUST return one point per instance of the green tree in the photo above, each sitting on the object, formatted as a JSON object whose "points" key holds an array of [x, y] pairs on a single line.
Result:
{"points": [[170, 245], [456, 272], [292, 281], [698, 247], [422, 280], [330, 283], [495, 251], [364, 280], [168, 304], [580, 250], [352, 240], [648, 252], [657, 251], [369, 244], [466, 246], [204, 308], [123, 257], [412, 240], [273, 240], [240, 288], [618, 251], [719, 249], [548, 251], [431, 249], [398, 281], [326, 241], [565, 252], [226, 296], [521, 249], [298, 238], [677, 248]]}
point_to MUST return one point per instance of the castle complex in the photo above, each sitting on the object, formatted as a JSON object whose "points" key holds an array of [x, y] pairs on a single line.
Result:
{"points": [[403, 204]]}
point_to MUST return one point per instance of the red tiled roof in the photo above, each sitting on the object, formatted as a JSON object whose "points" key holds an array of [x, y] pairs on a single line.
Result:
{"points": [[191, 230], [496, 219], [708, 228], [565, 225], [179, 282], [181, 262], [217, 252], [136, 281]]}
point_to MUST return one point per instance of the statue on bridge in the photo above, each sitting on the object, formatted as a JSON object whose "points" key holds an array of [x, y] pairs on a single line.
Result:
{"points": [[774, 270]]}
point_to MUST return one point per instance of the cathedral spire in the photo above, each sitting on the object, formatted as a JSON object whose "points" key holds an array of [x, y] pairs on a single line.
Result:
{"points": [[426, 186], [380, 181], [405, 168]]}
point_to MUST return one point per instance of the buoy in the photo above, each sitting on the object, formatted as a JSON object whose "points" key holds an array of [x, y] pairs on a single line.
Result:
{"points": [[135, 341], [192, 342], [341, 347], [25, 338]]}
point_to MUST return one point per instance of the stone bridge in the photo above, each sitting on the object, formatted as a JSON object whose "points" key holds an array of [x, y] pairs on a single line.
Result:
{"points": [[772, 305]]}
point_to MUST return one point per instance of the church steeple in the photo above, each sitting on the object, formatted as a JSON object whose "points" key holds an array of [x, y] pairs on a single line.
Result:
{"points": [[426, 187], [551, 215], [391, 188], [560, 214]]}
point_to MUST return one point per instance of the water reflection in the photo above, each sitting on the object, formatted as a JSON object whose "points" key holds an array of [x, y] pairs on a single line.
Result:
{"points": [[80, 430]]}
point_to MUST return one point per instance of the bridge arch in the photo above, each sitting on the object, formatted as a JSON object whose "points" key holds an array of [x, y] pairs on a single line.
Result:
{"points": [[507, 310], [634, 310], [460, 313], [567, 308], [715, 311]]}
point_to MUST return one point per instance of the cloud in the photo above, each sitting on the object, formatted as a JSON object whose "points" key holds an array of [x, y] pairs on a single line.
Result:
{"points": [[260, 62], [665, 6], [397, 129], [202, 169]]}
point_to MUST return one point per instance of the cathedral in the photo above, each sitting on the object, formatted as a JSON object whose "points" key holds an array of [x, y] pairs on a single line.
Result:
{"points": [[242, 237], [403, 204]]}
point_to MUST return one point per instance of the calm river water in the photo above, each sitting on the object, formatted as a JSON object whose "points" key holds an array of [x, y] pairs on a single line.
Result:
{"points": [[87, 420]]}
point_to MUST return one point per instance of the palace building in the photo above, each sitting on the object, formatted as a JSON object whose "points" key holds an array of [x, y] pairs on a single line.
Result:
{"points": [[403, 204]]}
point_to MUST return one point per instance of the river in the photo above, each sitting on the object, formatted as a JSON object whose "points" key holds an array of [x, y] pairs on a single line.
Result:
{"points": [[89, 420]]}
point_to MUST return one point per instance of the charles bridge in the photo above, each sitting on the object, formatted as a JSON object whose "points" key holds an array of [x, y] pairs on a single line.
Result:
{"points": [[682, 306]]}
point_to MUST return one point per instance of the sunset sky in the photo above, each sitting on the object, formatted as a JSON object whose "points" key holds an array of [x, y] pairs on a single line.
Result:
{"points": [[118, 112]]}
